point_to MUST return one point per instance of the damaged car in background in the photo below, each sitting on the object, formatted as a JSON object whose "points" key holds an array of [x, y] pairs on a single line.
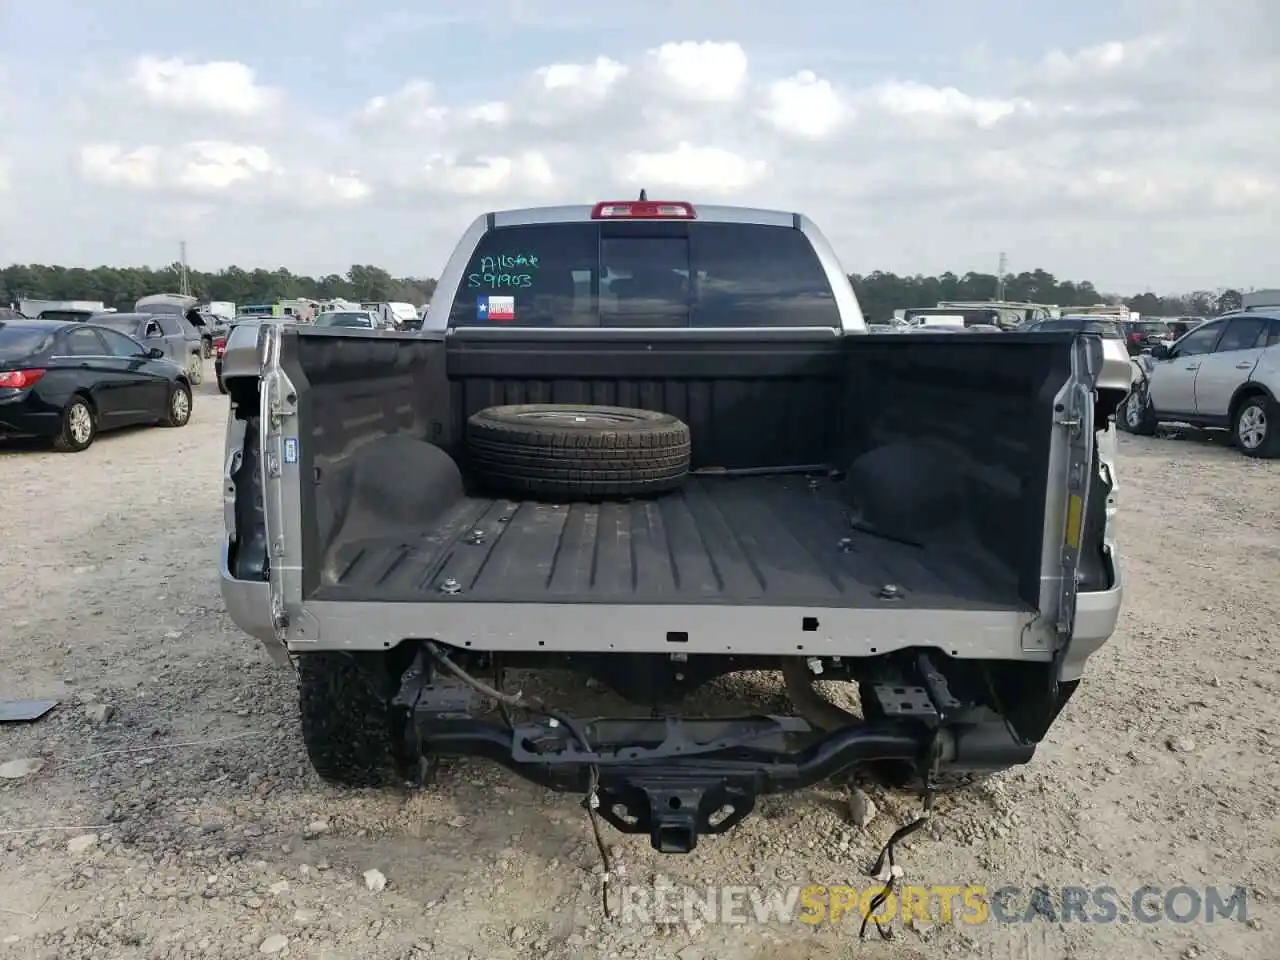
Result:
{"points": [[651, 443]]}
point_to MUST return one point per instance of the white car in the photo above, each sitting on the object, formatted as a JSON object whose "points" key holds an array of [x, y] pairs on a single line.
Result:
{"points": [[1224, 374], [359, 319]]}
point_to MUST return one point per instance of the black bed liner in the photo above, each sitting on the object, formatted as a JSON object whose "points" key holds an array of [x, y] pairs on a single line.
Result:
{"points": [[766, 540]]}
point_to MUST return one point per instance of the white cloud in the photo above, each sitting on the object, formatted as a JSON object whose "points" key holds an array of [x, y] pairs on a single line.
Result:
{"points": [[593, 80], [922, 102], [186, 172], [112, 165], [495, 113], [561, 94], [1242, 191], [699, 72], [212, 165], [1105, 60], [528, 173], [704, 169], [324, 188], [1139, 192], [804, 105], [412, 108], [217, 87]]}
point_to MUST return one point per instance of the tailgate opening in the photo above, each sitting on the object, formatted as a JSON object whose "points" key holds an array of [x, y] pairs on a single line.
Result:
{"points": [[936, 454]]}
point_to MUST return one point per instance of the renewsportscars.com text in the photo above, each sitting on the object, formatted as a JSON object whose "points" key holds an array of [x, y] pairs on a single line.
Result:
{"points": [[969, 905]]}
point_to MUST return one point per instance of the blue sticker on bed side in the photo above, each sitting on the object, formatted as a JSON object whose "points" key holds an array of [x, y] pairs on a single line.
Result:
{"points": [[482, 308], [290, 449]]}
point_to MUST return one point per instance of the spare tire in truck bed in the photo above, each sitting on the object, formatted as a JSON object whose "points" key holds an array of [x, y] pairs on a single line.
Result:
{"points": [[577, 451]]}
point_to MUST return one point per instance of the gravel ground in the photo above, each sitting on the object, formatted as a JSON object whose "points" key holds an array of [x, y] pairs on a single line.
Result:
{"points": [[175, 814]]}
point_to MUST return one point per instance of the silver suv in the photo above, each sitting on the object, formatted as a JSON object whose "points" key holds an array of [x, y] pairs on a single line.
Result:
{"points": [[169, 332], [1224, 374]]}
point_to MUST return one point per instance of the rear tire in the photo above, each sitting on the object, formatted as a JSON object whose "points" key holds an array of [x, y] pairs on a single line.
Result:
{"points": [[1137, 416], [79, 427], [195, 369], [578, 451], [178, 412], [1255, 427], [352, 735]]}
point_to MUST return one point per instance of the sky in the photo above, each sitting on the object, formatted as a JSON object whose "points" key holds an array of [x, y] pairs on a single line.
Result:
{"points": [[1135, 144]]}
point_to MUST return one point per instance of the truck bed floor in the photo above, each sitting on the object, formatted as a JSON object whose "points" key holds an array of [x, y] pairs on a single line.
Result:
{"points": [[764, 540]]}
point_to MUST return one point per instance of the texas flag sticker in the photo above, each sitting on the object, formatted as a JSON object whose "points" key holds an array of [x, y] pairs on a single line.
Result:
{"points": [[495, 308]]}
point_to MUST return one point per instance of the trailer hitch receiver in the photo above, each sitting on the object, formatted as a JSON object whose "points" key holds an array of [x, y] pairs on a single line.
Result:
{"points": [[674, 811]]}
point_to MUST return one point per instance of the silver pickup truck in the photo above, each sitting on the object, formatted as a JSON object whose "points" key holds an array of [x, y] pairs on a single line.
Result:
{"points": [[652, 443]]}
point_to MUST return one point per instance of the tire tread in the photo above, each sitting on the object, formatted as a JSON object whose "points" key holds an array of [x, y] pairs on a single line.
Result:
{"points": [[348, 729], [650, 454]]}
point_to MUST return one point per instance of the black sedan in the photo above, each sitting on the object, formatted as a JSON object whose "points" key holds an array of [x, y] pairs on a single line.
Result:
{"points": [[70, 381]]}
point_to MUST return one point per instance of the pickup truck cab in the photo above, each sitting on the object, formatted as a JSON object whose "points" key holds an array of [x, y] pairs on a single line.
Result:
{"points": [[652, 443]]}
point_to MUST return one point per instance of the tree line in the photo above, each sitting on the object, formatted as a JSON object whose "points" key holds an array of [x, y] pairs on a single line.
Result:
{"points": [[880, 292]]}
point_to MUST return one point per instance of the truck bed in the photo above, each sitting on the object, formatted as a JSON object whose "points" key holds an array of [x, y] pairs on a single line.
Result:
{"points": [[770, 540]]}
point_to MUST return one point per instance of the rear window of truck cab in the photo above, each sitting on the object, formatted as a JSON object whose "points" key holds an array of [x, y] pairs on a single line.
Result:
{"points": [[645, 274]]}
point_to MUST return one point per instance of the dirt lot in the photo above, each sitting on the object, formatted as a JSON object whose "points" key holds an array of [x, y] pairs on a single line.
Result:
{"points": [[175, 814]]}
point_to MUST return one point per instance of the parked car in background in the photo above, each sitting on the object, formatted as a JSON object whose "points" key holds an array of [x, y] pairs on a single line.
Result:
{"points": [[219, 351], [52, 309], [223, 309], [70, 381], [188, 316], [1109, 328], [360, 319], [165, 331], [952, 317], [1225, 374], [1115, 352], [1142, 335], [57, 315], [1180, 327], [392, 315], [212, 326]]}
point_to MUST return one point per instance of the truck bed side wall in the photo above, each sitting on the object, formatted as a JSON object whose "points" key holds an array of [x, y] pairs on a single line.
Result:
{"points": [[948, 440], [975, 416], [357, 392]]}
